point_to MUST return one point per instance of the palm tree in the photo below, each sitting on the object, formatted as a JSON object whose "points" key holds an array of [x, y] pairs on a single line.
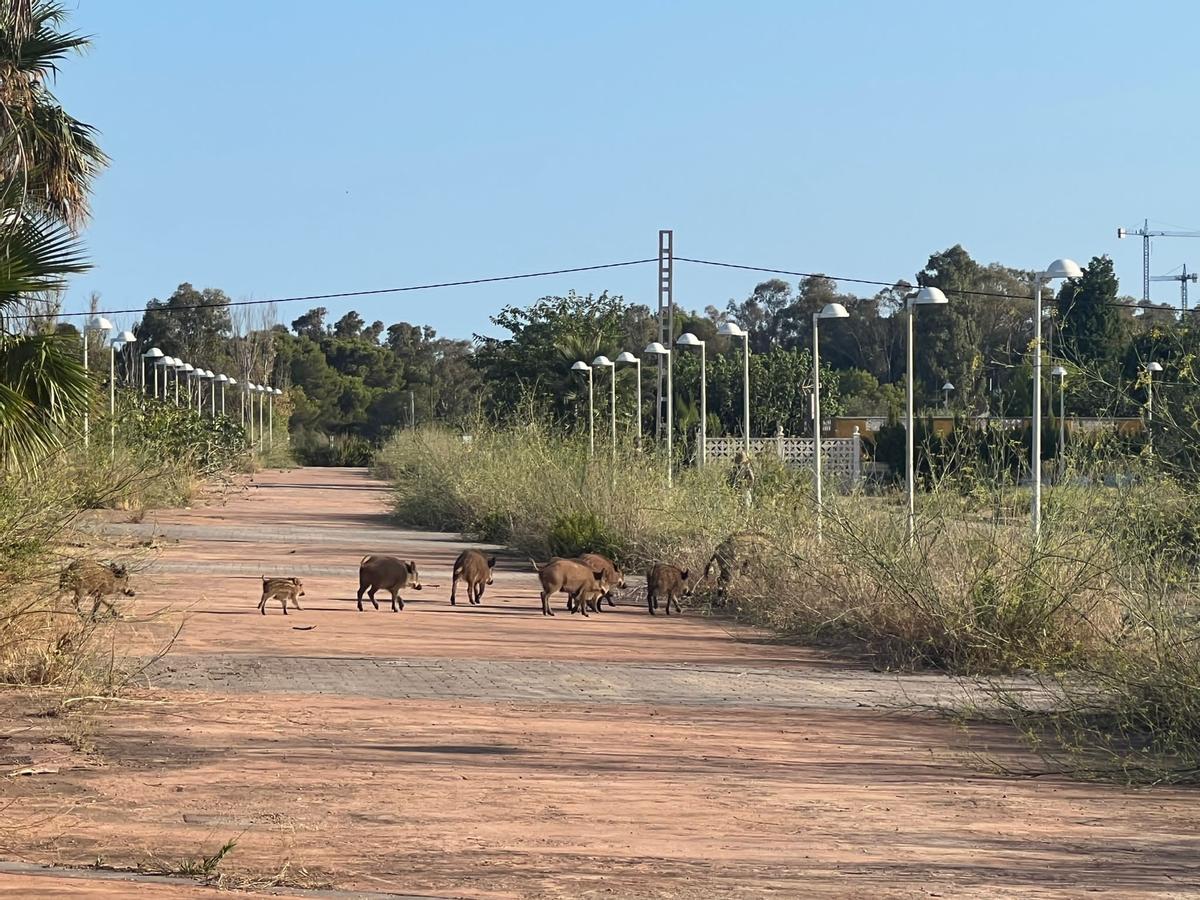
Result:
{"points": [[47, 158], [47, 163]]}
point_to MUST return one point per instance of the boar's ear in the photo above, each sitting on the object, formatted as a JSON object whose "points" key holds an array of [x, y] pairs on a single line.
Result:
{"points": [[118, 570], [684, 574], [411, 566], [491, 562]]}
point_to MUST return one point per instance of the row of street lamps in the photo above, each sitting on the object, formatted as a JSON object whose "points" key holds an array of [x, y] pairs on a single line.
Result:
{"points": [[182, 370], [925, 296]]}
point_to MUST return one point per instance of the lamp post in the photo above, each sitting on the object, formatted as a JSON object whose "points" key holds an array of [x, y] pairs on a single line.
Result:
{"points": [[581, 366], [274, 392], [1061, 374], [100, 324], [262, 389], [128, 339], [166, 363], [120, 340], [154, 355], [178, 367], [1151, 370], [186, 371], [1060, 268], [625, 358], [946, 389], [657, 349], [603, 362], [232, 383], [222, 380], [831, 311], [926, 296], [687, 339], [733, 329]]}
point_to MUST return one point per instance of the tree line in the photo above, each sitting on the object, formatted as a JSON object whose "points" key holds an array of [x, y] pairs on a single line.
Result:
{"points": [[351, 379]]}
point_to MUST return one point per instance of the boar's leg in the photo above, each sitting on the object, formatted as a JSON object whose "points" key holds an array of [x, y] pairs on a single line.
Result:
{"points": [[651, 600], [396, 598], [674, 597], [262, 604], [546, 610], [296, 600], [479, 593], [283, 602], [454, 588]]}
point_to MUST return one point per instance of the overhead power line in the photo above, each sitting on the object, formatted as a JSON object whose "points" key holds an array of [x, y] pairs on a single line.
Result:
{"points": [[343, 294]]}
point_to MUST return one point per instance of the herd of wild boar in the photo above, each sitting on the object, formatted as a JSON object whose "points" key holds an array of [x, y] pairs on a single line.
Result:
{"points": [[588, 580]]}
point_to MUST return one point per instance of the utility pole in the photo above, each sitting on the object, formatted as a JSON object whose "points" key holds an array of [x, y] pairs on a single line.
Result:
{"points": [[666, 316], [1145, 234]]}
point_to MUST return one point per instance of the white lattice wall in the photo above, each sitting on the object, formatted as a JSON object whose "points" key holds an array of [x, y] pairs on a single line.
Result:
{"points": [[839, 456]]}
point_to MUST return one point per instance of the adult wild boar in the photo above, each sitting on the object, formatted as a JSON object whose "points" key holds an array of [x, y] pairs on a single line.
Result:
{"points": [[667, 582], [568, 576], [475, 570], [747, 554], [88, 578], [281, 589], [613, 576], [389, 574]]}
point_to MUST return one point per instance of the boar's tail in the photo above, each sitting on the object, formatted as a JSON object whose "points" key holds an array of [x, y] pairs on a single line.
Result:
{"points": [[536, 567], [363, 561]]}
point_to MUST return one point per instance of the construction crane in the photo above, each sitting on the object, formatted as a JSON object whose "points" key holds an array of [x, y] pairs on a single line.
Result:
{"points": [[1183, 280], [1146, 234]]}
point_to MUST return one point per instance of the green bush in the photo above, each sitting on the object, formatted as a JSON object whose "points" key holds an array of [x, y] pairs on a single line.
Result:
{"points": [[583, 532]]}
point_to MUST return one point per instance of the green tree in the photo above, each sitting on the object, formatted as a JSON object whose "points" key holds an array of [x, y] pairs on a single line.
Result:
{"points": [[193, 325], [1091, 329]]}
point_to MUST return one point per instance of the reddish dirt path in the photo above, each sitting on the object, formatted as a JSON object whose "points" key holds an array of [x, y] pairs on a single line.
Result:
{"points": [[528, 757]]}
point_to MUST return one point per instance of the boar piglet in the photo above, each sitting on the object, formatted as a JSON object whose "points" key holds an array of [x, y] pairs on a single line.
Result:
{"points": [[582, 584], [475, 570], [88, 578], [283, 590], [669, 583], [613, 576], [389, 574]]}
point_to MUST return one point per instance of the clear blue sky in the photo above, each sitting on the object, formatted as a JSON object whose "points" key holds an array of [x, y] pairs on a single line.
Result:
{"points": [[281, 147]]}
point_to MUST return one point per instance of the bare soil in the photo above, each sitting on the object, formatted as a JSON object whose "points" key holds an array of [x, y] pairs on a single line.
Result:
{"points": [[490, 752]]}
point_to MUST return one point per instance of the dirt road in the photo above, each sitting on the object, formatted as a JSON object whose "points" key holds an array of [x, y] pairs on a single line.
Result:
{"points": [[490, 752]]}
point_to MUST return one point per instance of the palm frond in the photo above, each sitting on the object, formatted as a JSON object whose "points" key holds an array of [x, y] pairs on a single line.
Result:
{"points": [[43, 389], [36, 255]]}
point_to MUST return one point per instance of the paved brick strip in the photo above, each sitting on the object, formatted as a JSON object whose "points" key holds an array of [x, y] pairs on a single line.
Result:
{"points": [[534, 680]]}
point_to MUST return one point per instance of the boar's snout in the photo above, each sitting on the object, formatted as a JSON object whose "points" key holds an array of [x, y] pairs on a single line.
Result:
{"points": [[129, 592]]}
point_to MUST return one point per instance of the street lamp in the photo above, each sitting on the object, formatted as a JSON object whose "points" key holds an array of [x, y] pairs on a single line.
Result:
{"points": [[625, 358], [262, 389], [1061, 374], [186, 371], [656, 349], [1060, 268], [166, 363], [1151, 370], [120, 341], [128, 339], [273, 392], [603, 362], [733, 329], [100, 324], [180, 372], [222, 380], [155, 355], [212, 393], [831, 311], [581, 366], [687, 339], [926, 296], [946, 389]]}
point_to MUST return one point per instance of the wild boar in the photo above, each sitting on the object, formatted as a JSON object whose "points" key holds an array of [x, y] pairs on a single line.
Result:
{"points": [[568, 576], [667, 582], [281, 589], [475, 570], [742, 553], [389, 574], [613, 577], [88, 578]]}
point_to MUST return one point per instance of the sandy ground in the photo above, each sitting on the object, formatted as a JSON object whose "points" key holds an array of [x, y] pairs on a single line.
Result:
{"points": [[489, 752]]}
